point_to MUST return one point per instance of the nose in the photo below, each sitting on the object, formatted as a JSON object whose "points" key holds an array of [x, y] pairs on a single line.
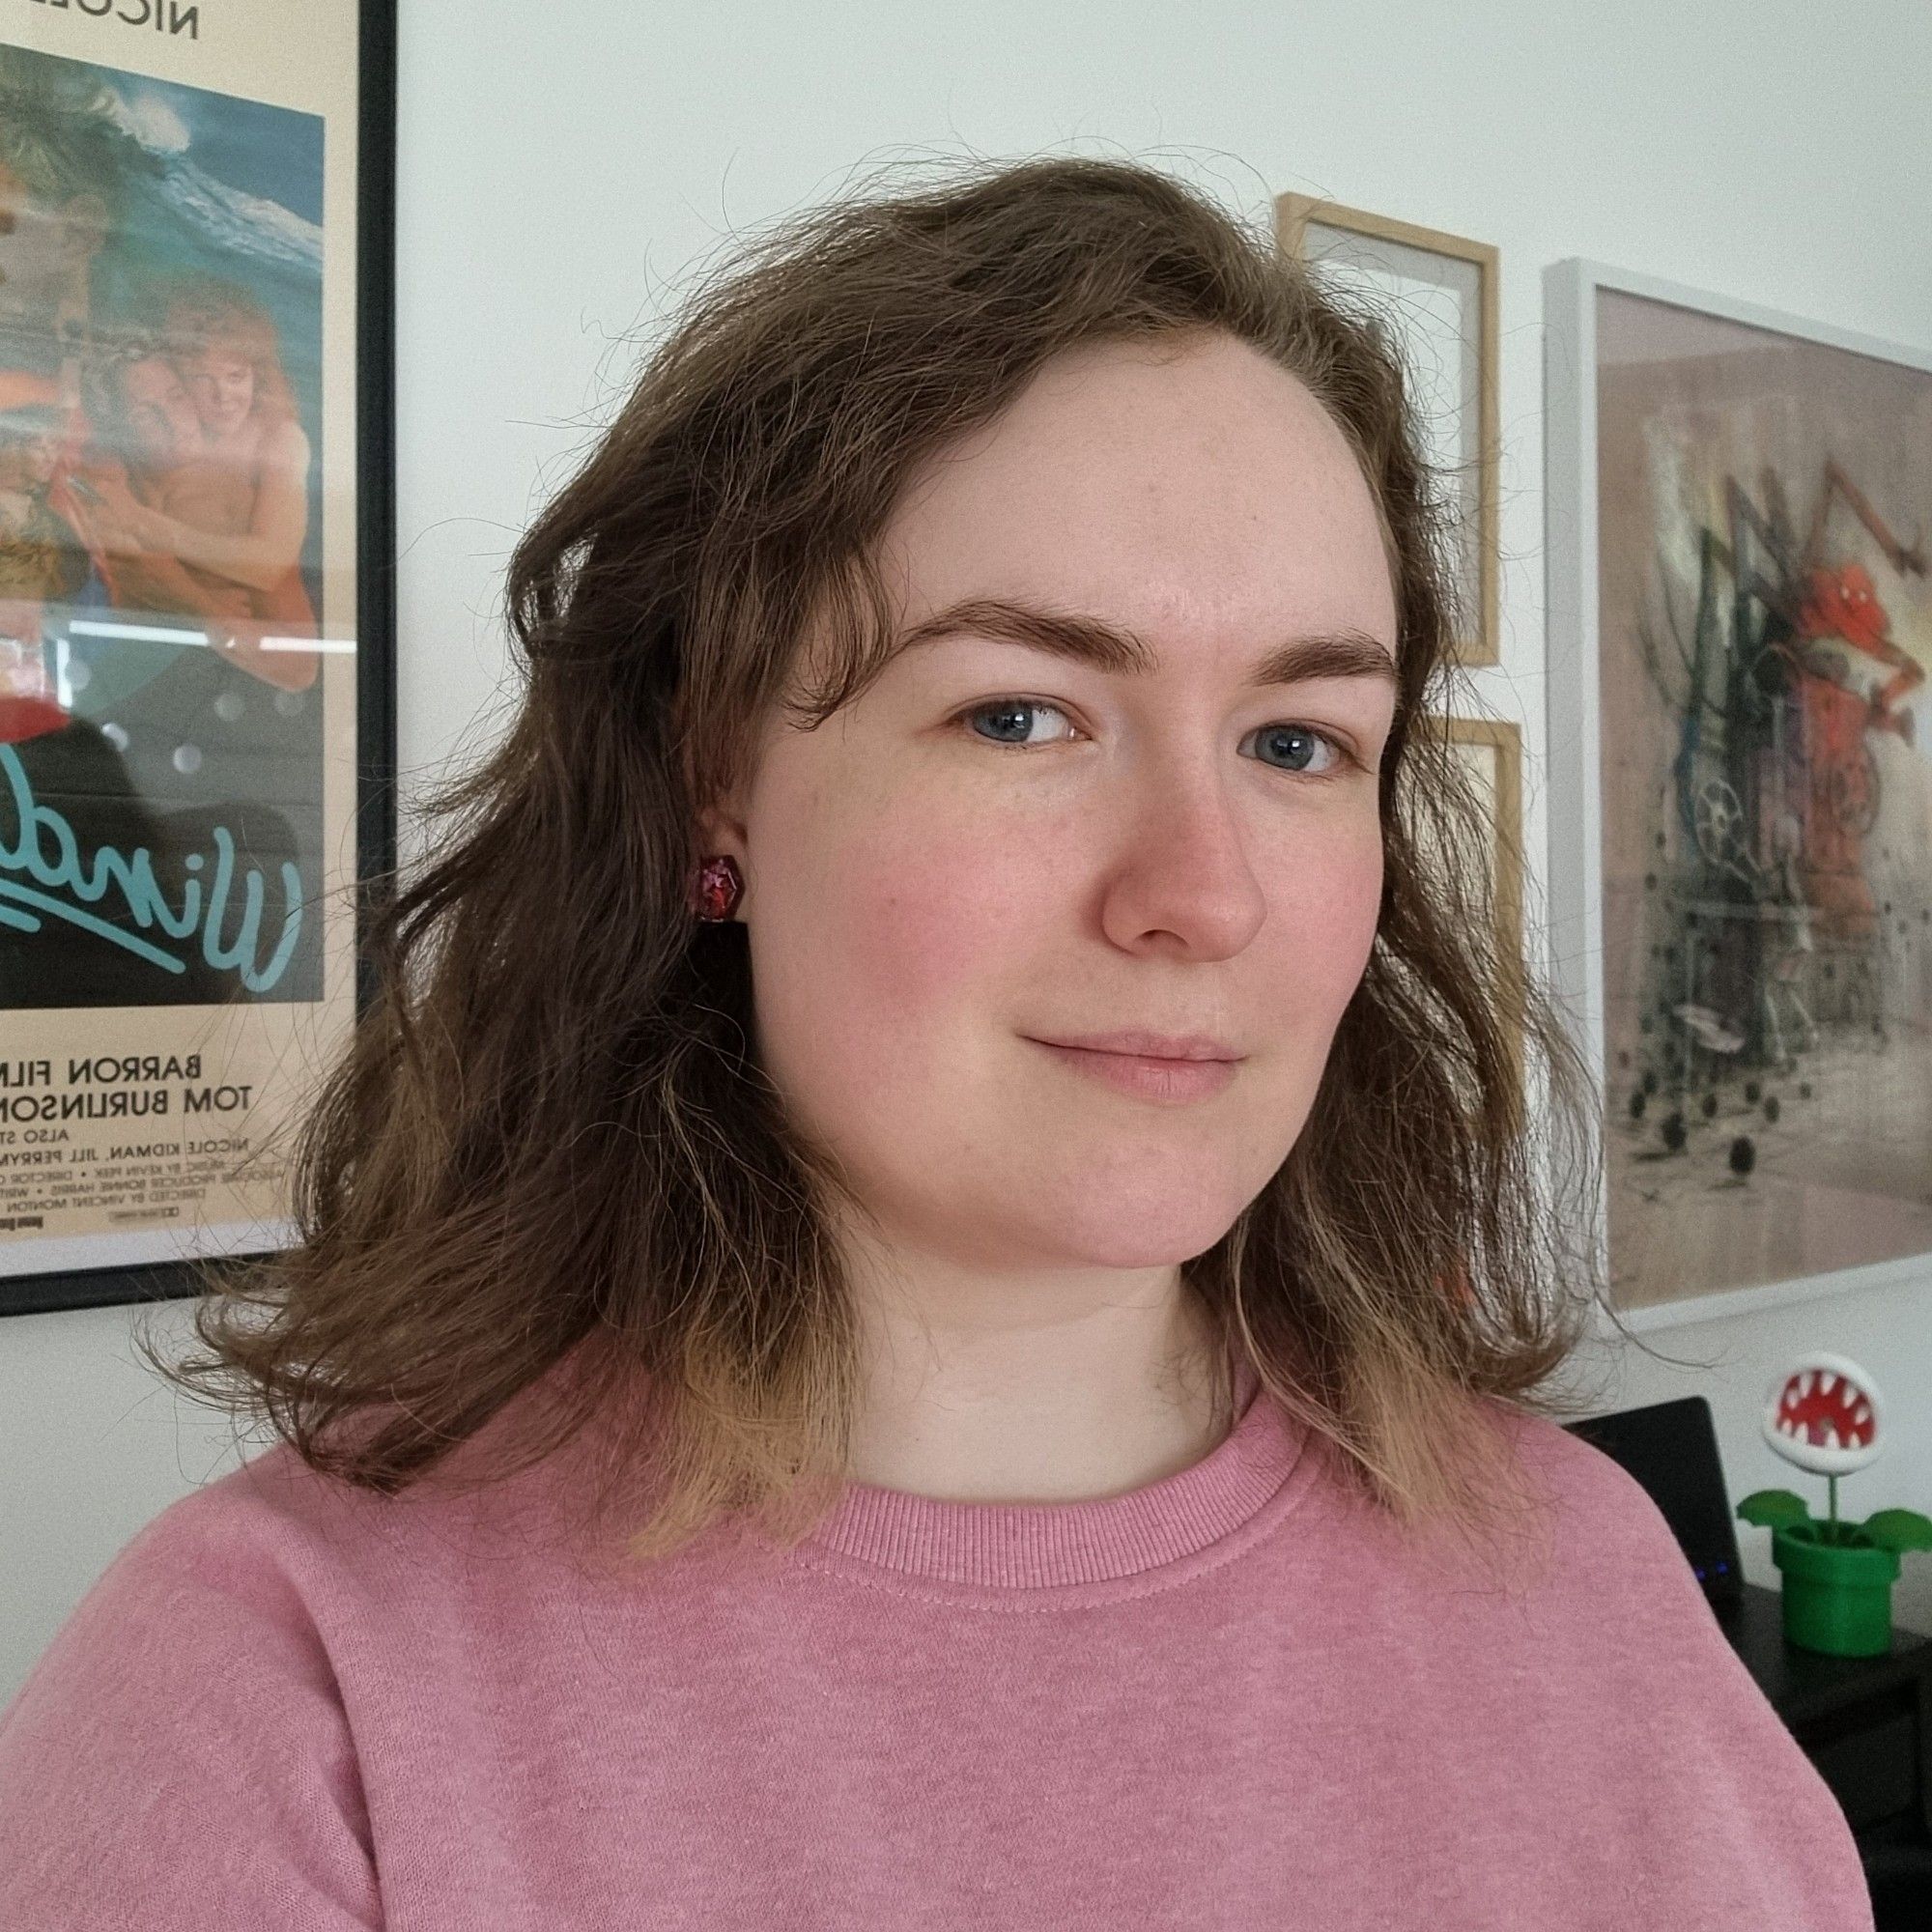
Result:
{"points": [[1180, 881]]}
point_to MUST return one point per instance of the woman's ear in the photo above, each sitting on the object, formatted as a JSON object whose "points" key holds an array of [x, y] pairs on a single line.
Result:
{"points": [[721, 832]]}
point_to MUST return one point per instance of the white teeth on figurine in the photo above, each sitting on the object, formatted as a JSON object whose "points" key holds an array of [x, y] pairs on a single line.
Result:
{"points": [[1830, 1437], [1804, 1384], [1827, 1382], [1862, 1416]]}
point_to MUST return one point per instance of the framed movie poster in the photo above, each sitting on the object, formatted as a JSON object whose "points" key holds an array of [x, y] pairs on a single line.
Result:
{"points": [[1740, 765], [196, 637], [1440, 291]]}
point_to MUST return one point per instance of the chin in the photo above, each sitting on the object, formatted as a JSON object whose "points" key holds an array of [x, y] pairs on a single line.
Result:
{"points": [[1145, 1233]]}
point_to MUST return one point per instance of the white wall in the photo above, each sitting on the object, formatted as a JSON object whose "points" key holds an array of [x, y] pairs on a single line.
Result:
{"points": [[561, 168]]}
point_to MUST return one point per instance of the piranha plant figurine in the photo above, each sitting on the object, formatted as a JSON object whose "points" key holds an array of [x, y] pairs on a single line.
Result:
{"points": [[1824, 1414]]}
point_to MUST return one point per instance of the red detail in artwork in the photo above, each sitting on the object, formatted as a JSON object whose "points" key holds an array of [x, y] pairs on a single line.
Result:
{"points": [[1843, 604]]}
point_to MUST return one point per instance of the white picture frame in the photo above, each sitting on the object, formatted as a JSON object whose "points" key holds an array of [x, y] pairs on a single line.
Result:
{"points": [[1578, 296]]}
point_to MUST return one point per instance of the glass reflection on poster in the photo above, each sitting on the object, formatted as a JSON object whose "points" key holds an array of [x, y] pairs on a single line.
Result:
{"points": [[179, 625], [1764, 633]]}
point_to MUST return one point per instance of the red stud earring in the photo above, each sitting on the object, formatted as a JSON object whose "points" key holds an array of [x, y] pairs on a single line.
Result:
{"points": [[718, 888]]}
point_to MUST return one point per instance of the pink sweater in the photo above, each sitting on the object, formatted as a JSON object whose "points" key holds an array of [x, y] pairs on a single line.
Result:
{"points": [[1231, 1698]]}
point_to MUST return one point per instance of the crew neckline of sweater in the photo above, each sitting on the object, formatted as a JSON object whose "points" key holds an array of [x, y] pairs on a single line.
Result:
{"points": [[1158, 1534]]}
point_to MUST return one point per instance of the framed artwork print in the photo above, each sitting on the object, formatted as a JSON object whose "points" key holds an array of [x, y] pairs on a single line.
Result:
{"points": [[1740, 772], [196, 635], [1441, 293]]}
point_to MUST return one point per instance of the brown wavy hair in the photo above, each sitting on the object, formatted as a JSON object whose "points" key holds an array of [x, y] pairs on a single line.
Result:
{"points": [[549, 1163]]}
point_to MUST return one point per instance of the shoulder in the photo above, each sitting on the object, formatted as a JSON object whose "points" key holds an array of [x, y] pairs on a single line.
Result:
{"points": [[1591, 1490], [1615, 1615], [218, 1701], [1577, 1467], [1617, 1581], [260, 1534], [284, 441], [1657, 1698], [1591, 1493], [278, 1543], [269, 1589], [221, 1580], [186, 1715]]}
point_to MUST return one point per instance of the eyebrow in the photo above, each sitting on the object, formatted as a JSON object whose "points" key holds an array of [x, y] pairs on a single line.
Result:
{"points": [[1088, 640]]}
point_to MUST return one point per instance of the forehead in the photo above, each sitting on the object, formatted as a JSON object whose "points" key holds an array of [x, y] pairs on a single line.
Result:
{"points": [[1167, 486]]}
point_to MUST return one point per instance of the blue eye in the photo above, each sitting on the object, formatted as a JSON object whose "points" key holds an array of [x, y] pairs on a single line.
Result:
{"points": [[1300, 746], [1008, 709]]}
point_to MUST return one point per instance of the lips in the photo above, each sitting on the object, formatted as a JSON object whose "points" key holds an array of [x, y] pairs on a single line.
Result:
{"points": [[1142, 1045], [1148, 1077]]}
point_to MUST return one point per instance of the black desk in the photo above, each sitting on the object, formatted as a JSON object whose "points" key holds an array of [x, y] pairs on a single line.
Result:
{"points": [[1864, 1722]]}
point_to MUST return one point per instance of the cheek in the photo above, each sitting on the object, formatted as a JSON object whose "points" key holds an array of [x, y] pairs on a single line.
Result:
{"points": [[878, 978], [1327, 913], [914, 917]]}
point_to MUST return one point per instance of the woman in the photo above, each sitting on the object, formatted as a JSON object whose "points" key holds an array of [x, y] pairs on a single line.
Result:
{"points": [[793, 1415]]}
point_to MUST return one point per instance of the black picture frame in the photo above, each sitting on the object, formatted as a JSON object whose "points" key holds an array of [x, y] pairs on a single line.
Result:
{"points": [[375, 521]]}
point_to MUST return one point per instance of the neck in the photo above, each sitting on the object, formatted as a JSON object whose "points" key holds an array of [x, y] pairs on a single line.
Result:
{"points": [[1056, 1389]]}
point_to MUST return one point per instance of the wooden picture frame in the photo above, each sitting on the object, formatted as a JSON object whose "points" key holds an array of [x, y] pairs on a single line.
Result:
{"points": [[1409, 273], [1491, 750]]}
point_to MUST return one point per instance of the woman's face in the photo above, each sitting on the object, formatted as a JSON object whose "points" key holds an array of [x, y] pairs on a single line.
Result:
{"points": [[222, 384], [942, 879]]}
